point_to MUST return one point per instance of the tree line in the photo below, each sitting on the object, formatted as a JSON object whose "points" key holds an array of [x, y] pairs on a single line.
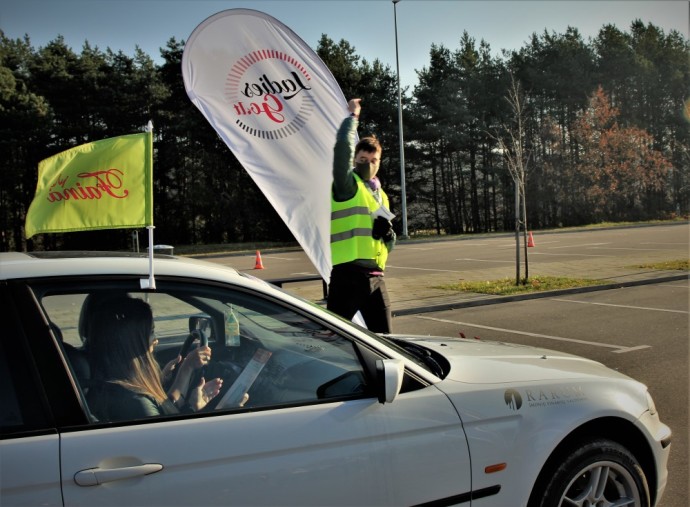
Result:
{"points": [[603, 134]]}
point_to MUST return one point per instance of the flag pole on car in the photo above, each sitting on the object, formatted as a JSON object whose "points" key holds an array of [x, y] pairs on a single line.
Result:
{"points": [[151, 282]]}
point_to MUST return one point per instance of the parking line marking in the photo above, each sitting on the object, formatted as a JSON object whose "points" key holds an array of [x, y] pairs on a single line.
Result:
{"points": [[579, 245], [618, 348], [484, 260], [633, 249], [650, 243], [630, 349], [620, 306], [470, 245], [426, 269], [570, 254]]}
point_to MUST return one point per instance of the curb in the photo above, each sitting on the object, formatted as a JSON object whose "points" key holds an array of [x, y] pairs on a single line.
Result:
{"points": [[533, 295]]}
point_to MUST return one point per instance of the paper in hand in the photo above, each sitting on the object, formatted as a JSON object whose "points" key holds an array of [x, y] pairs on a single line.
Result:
{"points": [[233, 396], [382, 211]]}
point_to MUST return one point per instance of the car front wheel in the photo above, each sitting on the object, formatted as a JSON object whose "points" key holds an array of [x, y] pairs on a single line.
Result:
{"points": [[597, 473]]}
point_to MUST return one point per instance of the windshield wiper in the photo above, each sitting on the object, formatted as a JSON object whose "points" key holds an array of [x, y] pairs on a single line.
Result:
{"points": [[423, 354]]}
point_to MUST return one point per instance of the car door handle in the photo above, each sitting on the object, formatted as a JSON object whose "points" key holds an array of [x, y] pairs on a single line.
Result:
{"points": [[96, 476]]}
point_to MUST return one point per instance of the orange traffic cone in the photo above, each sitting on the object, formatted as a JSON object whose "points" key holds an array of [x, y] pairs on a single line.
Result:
{"points": [[530, 240], [258, 264]]}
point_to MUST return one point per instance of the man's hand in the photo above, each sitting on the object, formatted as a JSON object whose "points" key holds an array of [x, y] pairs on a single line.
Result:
{"points": [[382, 229], [354, 106]]}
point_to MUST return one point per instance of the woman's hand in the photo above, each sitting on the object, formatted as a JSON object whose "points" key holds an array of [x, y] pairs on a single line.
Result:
{"points": [[169, 368], [194, 360], [204, 392], [197, 358]]}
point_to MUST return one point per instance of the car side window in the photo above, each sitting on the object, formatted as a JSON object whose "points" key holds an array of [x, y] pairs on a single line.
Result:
{"points": [[274, 354], [300, 360], [267, 354], [67, 314]]}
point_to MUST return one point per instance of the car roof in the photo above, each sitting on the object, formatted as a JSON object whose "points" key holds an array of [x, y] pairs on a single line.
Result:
{"points": [[17, 265]]}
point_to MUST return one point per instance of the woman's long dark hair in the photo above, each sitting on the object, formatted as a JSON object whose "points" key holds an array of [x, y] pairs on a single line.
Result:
{"points": [[119, 346]]}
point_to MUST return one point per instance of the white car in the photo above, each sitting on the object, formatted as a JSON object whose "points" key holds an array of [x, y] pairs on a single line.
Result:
{"points": [[336, 415]]}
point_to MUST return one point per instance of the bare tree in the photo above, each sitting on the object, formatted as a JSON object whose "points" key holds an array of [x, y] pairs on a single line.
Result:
{"points": [[512, 147]]}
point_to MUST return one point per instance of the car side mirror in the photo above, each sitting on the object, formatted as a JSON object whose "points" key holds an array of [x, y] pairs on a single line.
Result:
{"points": [[350, 383], [389, 373]]}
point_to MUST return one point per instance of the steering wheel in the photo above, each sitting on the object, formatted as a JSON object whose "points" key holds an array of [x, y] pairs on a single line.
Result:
{"points": [[193, 335]]}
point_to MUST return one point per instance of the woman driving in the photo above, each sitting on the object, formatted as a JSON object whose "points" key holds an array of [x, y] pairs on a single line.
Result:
{"points": [[126, 378]]}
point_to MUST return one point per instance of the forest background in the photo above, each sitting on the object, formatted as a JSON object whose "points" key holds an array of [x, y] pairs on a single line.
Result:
{"points": [[604, 135]]}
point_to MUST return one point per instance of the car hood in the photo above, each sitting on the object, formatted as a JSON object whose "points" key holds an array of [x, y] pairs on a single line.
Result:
{"points": [[487, 362]]}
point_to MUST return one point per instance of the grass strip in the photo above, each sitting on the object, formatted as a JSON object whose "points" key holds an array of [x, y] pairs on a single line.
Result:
{"points": [[507, 286]]}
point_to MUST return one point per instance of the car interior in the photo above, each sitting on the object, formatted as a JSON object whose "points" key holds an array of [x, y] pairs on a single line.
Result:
{"points": [[282, 358]]}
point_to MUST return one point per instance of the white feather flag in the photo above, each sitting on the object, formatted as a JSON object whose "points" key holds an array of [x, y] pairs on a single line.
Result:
{"points": [[277, 107]]}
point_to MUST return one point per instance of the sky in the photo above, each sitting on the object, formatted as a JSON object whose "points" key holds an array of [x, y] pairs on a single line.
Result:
{"points": [[368, 25]]}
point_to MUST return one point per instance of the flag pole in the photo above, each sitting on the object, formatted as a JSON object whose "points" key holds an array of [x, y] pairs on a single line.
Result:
{"points": [[151, 282]]}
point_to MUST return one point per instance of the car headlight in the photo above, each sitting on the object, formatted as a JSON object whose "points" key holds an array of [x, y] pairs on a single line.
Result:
{"points": [[650, 404]]}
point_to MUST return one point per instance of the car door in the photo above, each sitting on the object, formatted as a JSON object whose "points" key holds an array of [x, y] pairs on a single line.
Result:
{"points": [[343, 453], [289, 445], [29, 443]]}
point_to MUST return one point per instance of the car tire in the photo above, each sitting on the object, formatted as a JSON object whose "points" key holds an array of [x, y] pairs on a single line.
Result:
{"points": [[599, 472]]}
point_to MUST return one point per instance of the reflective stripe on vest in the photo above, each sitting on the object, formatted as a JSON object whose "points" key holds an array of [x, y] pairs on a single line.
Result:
{"points": [[351, 226]]}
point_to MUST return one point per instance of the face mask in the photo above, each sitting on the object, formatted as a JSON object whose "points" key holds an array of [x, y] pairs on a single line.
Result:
{"points": [[366, 170]]}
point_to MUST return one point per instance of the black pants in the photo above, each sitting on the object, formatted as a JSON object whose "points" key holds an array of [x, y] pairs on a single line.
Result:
{"points": [[353, 289]]}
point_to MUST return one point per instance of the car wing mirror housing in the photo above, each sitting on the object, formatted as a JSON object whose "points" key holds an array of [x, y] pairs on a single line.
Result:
{"points": [[389, 373]]}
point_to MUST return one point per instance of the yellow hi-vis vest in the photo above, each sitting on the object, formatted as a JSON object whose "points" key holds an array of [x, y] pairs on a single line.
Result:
{"points": [[351, 225]]}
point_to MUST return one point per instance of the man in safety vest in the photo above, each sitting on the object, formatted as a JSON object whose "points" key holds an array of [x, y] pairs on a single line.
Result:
{"points": [[361, 231]]}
